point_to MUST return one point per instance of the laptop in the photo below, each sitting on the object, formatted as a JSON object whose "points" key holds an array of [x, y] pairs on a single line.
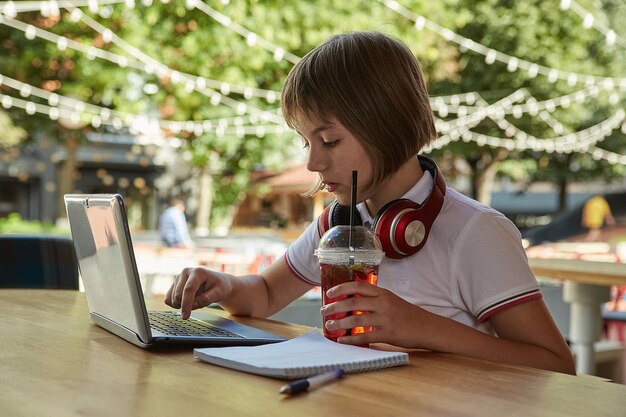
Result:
{"points": [[109, 273]]}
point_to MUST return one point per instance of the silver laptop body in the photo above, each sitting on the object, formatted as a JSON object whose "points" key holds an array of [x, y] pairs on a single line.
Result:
{"points": [[108, 270]]}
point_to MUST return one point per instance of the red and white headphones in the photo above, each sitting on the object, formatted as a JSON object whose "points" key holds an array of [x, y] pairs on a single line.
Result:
{"points": [[401, 225]]}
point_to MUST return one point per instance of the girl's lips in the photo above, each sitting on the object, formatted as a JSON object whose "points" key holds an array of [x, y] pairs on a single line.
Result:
{"points": [[331, 187]]}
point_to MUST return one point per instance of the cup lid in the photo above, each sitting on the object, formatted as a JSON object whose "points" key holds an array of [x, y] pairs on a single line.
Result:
{"points": [[334, 246]]}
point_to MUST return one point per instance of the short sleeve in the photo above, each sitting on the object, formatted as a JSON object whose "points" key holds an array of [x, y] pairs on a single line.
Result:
{"points": [[492, 266], [300, 256]]}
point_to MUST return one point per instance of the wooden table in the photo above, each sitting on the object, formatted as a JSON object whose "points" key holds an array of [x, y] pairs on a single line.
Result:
{"points": [[55, 362], [587, 285]]}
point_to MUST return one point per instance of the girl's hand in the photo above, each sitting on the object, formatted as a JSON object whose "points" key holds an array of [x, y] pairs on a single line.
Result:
{"points": [[196, 288], [526, 333], [393, 320]]}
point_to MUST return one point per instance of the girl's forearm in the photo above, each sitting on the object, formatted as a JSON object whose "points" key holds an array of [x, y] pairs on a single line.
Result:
{"points": [[248, 297], [447, 335]]}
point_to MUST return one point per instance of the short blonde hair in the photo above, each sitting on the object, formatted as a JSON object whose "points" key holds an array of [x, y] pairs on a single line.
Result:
{"points": [[373, 85]]}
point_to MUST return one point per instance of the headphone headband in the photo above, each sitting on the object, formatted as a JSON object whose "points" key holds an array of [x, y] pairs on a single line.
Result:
{"points": [[401, 225]]}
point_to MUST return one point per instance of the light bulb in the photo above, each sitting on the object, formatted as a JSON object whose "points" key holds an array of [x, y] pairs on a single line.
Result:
{"points": [[420, 22], [611, 37]]}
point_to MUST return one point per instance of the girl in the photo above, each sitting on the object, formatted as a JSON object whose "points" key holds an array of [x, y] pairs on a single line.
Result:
{"points": [[359, 101]]}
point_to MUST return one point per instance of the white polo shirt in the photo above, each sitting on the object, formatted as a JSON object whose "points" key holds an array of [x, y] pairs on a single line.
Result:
{"points": [[472, 265]]}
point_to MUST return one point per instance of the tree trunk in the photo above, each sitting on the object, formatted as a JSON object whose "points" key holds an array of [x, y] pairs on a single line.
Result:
{"points": [[562, 185], [205, 201], [484, 171], [486, 180], [562, 182], [473, 163], [66, 173]]}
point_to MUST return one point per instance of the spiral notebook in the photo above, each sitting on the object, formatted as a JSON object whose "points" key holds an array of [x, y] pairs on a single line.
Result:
{"points": [[303, 356]]}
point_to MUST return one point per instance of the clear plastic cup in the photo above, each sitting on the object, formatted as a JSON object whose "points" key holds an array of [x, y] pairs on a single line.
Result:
{"points": [[341, 263]]}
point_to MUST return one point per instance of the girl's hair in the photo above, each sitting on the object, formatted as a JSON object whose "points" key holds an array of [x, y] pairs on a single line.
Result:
{"points": [[373, 85]]}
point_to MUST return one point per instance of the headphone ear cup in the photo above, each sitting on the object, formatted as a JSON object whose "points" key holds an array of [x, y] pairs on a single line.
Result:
{"points": [[323, 221], [340, 215], [335, 215], [399, 228]]}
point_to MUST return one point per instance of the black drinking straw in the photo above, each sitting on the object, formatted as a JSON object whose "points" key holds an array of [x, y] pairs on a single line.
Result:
{"points": [[350, 245], [352, 210]]}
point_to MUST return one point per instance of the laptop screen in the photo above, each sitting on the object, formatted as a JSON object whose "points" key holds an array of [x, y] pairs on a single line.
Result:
{"points": [[106, 260]]}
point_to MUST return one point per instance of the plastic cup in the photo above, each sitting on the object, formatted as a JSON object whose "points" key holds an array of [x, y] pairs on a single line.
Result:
{"points": [[341, 263]]}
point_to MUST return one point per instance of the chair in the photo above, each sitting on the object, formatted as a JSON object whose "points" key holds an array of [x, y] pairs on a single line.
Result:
{"points": [[31, 261]]}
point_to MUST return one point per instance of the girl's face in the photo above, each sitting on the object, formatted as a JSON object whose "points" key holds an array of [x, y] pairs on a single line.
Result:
{"points": [[334, 153]]}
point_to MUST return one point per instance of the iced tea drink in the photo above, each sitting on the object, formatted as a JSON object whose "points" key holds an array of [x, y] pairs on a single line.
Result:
{"points": [[345, 258], [337, 274]]}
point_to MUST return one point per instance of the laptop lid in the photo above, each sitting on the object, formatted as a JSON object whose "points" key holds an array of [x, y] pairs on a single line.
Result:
{"points": [[108, 269], [107, 264]]}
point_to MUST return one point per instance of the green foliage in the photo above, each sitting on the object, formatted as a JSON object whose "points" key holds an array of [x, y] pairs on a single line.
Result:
{"points": [[193, 43], [539, 32], [13, 223], [11, 135]]}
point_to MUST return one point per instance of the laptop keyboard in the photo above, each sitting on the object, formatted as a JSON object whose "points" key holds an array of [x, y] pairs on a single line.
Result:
{"points": [[169, 322]]}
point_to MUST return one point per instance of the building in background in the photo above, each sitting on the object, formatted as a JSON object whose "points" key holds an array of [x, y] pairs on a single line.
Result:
{"points": [[275, 200], [132, 165]]}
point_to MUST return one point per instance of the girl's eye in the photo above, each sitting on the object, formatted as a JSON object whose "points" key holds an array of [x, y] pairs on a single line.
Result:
{"points": [[331, 144]]}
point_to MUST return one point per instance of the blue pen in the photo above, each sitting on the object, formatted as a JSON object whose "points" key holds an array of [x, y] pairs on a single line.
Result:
{"points": [[311, 382]]}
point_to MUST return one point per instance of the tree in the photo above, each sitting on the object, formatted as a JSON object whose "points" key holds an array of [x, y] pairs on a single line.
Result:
{"points": [[11, 135], [538, 32], [42, 64], [172, 61], [173, 40]]}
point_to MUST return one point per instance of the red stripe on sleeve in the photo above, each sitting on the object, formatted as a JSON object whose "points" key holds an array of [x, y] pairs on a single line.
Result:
{"points": [[496, 309], [296, 272]]}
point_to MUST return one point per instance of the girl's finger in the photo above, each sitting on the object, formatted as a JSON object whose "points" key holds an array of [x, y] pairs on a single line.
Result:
{"points": [[354, 287]]}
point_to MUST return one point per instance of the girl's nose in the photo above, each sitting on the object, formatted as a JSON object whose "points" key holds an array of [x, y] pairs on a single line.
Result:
{"points": [[315, 162]]}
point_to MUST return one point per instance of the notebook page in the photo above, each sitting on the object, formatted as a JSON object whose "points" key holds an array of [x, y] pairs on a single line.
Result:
{"points": [[306, 355]]}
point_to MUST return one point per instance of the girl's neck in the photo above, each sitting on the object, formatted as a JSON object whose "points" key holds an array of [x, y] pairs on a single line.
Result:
{"points": [[395, 186]]}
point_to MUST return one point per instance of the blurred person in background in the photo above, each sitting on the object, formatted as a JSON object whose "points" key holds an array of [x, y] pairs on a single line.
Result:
{"points": [[173, 229], [596, 213]]}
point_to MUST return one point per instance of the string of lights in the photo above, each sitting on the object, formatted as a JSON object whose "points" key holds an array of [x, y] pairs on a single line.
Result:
{"points": [[51, 7], [611, 157], [252, 38], [471, 120], [91, 52], [441, 104], [524, 139], [474, 109], [77, 111], [444, 104], [531, 105], [136, 124], [520, 140], [491, 55], [148, 65], [579, 142], [10, 10], [596, 153], [582, 141], [153, 65], [590, 21]]}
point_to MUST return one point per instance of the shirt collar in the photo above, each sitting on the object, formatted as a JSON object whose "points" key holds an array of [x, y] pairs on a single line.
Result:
{"points": [[418, 193]]}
